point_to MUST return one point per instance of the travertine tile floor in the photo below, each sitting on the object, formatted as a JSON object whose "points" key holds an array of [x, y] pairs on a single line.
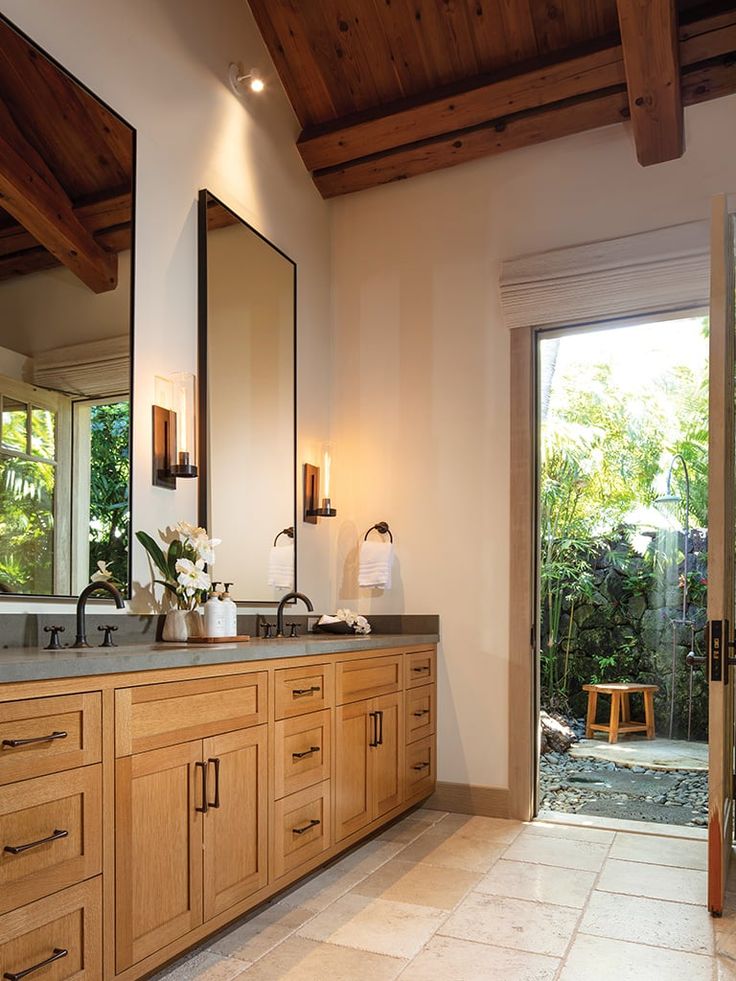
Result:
{"points": [[448, 897]]}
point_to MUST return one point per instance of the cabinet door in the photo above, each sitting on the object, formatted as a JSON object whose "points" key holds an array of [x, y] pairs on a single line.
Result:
{"points": [[158, 860], [387, 756], [235, 829], [353, 761]]}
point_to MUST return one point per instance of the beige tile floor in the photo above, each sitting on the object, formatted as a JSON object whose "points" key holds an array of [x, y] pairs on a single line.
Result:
{"points": [[447, 897]]}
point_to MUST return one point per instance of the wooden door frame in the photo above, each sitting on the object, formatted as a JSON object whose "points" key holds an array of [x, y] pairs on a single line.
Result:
{"points": [[523, 686]]}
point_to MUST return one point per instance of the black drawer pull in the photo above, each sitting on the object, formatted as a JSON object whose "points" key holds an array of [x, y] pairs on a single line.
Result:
{"points": [[307, 752], [420, 766], [296, 692], [424, 667], [58, 953], [215, 761], [19, 849], [205, 803], [14, 743], [312, 824], [420, 713]]}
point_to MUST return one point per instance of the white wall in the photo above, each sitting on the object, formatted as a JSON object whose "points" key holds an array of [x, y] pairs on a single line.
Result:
{"points": [[421, 380], [163, 65]]}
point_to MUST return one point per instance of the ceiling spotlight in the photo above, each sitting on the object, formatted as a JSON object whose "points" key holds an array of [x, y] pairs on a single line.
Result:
{"points": [[242, 81]]}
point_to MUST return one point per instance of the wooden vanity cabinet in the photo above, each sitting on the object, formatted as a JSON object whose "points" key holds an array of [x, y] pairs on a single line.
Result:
{"points": [[197, 792]]}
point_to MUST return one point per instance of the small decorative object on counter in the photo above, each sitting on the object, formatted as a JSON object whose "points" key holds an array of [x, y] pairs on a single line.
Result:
{"points": [[344, 622], [231, 612], [214, 614], [182, 567]]}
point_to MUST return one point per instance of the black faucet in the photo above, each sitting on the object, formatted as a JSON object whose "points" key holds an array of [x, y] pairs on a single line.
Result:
{"points": [[280, 612], [93, 587]]}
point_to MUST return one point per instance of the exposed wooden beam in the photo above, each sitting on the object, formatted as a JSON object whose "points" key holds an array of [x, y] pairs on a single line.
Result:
{"points": [[699, 84], [33, 196], [651, 59], [97, 217]]}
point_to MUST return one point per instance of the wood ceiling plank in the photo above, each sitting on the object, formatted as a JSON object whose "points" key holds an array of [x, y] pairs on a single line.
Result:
{"points": [[484, 99], [651, 58], [30, 192], [38, 258], [96, 217], [518, 27]]}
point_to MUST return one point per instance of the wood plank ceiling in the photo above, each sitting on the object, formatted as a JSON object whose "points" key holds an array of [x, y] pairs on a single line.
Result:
{"points": [[388, 89], [66, 166]]}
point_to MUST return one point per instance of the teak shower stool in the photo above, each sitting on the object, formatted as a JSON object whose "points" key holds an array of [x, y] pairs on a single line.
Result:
{"points": [[620, 722]]}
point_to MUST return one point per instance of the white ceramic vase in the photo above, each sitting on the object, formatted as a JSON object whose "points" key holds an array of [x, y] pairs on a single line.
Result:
{"points": [[176, 629]]}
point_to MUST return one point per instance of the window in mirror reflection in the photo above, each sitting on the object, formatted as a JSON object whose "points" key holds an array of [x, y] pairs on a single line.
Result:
{"points": [[65, 327]]}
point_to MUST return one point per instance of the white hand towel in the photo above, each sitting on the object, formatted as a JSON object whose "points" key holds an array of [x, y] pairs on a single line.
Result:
{"points": [[376, 559], [281, 566]]}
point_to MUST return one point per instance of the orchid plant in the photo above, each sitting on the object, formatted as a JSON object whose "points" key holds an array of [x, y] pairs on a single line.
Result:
{"points": [[182, 565]]}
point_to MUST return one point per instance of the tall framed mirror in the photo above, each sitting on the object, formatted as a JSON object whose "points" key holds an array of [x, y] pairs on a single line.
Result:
{"points": [[247, 351], [67, 179]]}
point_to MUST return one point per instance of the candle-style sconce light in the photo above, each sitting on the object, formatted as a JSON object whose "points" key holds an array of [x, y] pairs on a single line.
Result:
{"points": [[314, 506], [174, 430]]}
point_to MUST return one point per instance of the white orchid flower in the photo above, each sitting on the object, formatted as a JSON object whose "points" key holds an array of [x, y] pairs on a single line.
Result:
{"points": [[192, 576], [103, 573]]}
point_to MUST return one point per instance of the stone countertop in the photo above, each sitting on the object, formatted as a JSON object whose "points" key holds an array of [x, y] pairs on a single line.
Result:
{"points": [[28, 664]]}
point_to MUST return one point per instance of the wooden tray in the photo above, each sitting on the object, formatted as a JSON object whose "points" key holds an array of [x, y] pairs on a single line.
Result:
{"points": [[219, 640]]}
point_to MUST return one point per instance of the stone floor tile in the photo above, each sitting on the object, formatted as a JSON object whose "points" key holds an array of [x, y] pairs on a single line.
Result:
{"points": [[394, 929], [407, 882], [655, 881], [325, 887], [563, 852], [619, 960], [202, 966], [448, 959], [252, 939], [299, 959], [539, 928], [549, 829], [456, 851], [538, 883], [476, 826], [649, 921], [660, 851]]}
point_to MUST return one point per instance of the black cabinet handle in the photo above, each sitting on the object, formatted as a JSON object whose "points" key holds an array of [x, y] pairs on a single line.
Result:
{"points": [[307, 752], [422, 669], [58, 953], [420, 766], [420, 713], [19, 849], [380, 728], [205, 804], [215, 761], [14, 743], [373, 716], [308, 827], [296, 692]]}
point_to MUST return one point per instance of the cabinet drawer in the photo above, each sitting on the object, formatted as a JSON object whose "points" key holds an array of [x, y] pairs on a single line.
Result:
{"points": [[302, 752], [66, 926], [368, 677], [301, 828], [50, 834], [421, 768], [421, 668], [45, 735], [301, 690], [421, 712], [153, 716]]}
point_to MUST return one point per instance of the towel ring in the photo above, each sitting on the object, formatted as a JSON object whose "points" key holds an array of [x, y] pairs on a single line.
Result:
{"points": [[381, 527], [289, 532]]}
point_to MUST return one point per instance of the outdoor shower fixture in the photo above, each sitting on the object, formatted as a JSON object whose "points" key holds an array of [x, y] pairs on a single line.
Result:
{"points": [[669, 498]]}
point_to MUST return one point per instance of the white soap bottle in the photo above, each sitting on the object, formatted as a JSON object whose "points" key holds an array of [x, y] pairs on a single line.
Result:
{"points": [[230, 612], [214, 614]]}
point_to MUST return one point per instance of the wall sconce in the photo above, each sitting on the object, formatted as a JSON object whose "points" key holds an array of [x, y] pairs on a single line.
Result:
{"points": [[312, 507], [174, 430], [240, 80]]}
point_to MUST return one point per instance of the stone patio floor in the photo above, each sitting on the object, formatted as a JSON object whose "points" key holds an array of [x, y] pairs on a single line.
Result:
{"points": [[653, 754]]}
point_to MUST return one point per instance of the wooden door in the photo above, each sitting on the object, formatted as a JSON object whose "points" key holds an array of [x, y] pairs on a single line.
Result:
{"points": [[388, 755], [721, 555], [353, 764], [158, 858], [235, 829]]}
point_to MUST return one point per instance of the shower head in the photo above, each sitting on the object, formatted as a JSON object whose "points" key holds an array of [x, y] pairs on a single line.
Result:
{"points": [[668, 499]]}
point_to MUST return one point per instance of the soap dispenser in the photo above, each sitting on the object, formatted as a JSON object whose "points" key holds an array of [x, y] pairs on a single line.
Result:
{"points": [[230, 612], [214, 614]]}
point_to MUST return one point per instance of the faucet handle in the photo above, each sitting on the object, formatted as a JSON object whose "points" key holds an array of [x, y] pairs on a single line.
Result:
{"points": [[267, 628], [293, 629], [109, 631], [54, 643]]}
